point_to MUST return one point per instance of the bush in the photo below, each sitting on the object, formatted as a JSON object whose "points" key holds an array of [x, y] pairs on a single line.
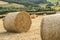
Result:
{"points": [[10, 9], [39, 13]]}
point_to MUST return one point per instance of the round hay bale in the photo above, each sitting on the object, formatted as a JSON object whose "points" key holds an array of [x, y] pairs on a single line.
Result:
{"points": [[33, 16], [37, 15], [17, 22], [50, 27]]}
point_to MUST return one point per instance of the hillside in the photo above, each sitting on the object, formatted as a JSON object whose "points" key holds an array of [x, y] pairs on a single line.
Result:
{"points": [[31, 2], [28, 5], [10, 7], [6, 4], [53, 1], [2, 2], [26, 2]]}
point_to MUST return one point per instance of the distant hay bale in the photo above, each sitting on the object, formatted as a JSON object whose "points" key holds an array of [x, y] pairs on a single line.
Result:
{"points": [[33, 16], [17, 22], [50, 27], [37, 15]]}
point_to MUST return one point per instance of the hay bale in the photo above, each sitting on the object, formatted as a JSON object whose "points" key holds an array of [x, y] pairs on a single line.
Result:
{"points": [[33, 16], [37, 15], [50, 27], [17, 22]]}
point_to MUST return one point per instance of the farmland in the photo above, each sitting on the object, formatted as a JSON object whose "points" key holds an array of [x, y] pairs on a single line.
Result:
{"points": [[32, 34], [38, 9]]}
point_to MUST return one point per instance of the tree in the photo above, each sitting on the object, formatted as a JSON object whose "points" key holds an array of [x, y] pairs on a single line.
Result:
{"points": [[49, 5], [57, 3]]}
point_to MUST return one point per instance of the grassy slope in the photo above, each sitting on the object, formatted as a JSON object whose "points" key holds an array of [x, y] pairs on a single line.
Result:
{"points": [[53, 1], [6, 4], [2, 2]]}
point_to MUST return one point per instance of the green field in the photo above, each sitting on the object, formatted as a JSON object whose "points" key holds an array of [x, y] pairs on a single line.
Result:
{"points": [[53, 1], [46, 8]]}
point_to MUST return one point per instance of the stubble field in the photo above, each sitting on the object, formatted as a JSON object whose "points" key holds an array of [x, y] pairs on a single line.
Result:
{"points": [[32, 34]]}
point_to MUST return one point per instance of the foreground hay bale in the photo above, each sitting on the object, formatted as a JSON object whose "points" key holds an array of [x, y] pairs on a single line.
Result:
{"points": [[50, 27], [17, 22]]}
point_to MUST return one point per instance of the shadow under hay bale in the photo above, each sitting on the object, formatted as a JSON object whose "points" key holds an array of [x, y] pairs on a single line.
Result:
{"points": [[2, 16], [50, 27], [17, 22]]}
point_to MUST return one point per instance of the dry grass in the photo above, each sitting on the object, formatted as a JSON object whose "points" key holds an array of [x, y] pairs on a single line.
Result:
{"points": [[6, 4], [2, 2], [32, 34]]}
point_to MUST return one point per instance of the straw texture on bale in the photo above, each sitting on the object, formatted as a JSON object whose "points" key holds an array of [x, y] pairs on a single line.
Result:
{"points": [[17, 22], [50, 27]]}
